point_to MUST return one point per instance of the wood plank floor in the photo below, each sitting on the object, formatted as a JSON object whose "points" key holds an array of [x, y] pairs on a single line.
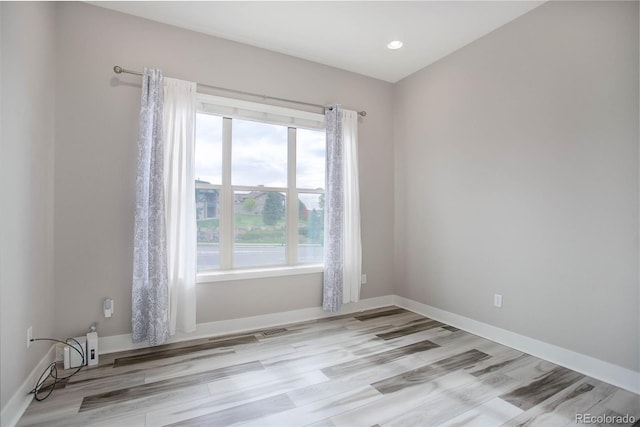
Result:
{"points": [[382, 367]]}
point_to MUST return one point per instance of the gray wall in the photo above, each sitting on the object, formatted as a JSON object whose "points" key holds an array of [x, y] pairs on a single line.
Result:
{"points": [[26, 188], [517, 173], [96, 156]]}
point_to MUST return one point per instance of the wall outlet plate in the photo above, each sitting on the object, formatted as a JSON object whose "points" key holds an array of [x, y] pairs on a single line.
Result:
{"points": [[497, 300], [363, 279]]}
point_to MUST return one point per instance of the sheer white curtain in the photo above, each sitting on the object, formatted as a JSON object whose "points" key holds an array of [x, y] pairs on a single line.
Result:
{"points": [[342, 242], [179, 184], [352, 238]]}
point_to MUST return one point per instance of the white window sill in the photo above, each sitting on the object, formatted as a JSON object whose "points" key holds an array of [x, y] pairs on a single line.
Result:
{"points": [[257, 273]]}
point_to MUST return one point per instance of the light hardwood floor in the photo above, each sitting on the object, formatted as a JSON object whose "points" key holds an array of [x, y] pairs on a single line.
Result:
{"points": [[384, 367]]}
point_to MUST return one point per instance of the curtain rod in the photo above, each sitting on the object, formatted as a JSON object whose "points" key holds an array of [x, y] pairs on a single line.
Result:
{"points": [[119, 70]]}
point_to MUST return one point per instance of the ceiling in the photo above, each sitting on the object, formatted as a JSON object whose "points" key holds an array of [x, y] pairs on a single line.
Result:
{"points": [[350, 35]]}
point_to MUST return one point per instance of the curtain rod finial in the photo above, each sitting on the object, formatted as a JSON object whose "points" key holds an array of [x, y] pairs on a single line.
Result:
{"points": [[117, 69]]}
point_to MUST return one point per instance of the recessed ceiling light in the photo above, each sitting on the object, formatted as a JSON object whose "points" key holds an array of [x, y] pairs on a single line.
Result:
{"points": [[396, 44]]}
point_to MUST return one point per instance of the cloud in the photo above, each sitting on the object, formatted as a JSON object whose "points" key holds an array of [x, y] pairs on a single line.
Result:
{"points": [[310, 163], [208, 160], [259, 154]]}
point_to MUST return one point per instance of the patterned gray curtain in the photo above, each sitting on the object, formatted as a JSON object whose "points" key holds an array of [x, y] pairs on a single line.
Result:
{"points": [[150, 293], [333, 214]]}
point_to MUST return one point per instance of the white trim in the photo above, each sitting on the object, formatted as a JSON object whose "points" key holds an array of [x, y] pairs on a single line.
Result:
{"points": [[596, 368], [292, 198], [257, 273], [599, 369], [230, 107], [233, 326], [15, 407], [226, 200]]}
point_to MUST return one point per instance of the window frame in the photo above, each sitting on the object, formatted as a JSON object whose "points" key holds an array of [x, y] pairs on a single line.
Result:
{"points": [[230, 109]]}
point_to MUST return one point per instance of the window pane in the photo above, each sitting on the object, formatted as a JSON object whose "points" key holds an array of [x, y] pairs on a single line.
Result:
{"points": [[310, 166], [208, 149], [259, 228], [310, 228], [259, 154], [207, 222]]}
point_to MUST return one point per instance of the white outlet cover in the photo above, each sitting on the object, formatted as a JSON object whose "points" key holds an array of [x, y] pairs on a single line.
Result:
{"points": [[497, 300], [29, 336]]}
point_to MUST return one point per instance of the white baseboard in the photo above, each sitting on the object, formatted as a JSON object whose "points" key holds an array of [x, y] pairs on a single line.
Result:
{"points": [[21, 399], [598, 369], [116, 343]]}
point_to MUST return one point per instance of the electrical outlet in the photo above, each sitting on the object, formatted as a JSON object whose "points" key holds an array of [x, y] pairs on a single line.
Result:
{"points": [[497, 300], [363, 280], [29, 336]]}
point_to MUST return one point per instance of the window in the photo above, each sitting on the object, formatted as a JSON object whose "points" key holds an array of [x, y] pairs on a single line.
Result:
{"points": [[259, 186]]}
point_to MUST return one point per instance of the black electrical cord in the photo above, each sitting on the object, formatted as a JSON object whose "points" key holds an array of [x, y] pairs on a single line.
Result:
{"points": [[52, 371]]}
